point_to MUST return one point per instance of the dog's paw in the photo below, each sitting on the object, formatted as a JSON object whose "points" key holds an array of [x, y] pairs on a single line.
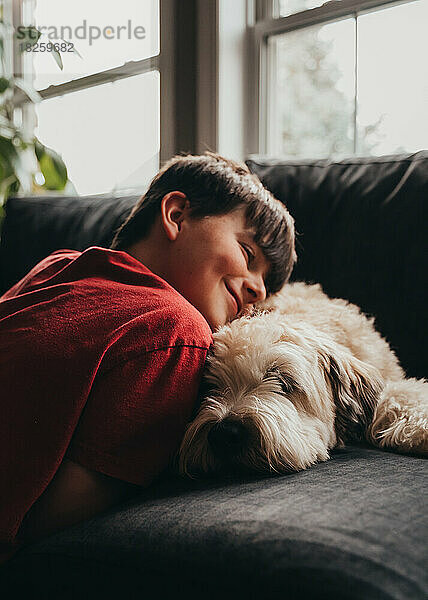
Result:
{"points": [[400, 421]]}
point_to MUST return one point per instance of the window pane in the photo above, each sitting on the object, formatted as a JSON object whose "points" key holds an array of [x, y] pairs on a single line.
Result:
{"points": [[108, 135], [290, 7], [311, 91], [106, 34], [393, 79]]}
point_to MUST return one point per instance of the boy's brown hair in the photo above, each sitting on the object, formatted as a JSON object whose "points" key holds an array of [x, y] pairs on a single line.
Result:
{"points": [[215, 185]]}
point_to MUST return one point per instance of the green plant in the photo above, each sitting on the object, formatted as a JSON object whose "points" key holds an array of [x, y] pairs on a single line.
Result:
{"points": [[23, 157]]}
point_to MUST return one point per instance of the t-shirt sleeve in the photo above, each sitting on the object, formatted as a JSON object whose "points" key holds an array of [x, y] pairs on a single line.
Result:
{"points": [[136, 414]]}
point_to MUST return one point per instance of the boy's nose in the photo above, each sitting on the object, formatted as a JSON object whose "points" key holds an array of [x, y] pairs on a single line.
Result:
{"points": [[255, 290]]}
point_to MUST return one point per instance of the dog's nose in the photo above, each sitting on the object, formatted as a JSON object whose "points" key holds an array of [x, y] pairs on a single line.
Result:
{"points": [[227, 437]]}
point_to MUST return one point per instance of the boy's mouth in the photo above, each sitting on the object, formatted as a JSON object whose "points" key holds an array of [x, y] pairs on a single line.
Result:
{"points": [[236, 300]]}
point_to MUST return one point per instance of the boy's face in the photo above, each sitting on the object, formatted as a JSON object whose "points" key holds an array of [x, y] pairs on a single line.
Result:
{"points": [[216, 265]]}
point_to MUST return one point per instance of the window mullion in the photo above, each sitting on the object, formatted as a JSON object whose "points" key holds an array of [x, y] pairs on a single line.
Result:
{"points": [[109, 76], [265, 10], [315, 16], [356, 88]]}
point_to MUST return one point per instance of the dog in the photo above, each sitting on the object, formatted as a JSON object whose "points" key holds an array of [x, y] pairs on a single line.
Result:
{"points": [[298, 376]]}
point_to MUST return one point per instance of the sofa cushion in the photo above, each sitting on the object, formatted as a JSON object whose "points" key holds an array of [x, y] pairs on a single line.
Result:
{"points": [[362, 233], [351, 528], [36, 226]]}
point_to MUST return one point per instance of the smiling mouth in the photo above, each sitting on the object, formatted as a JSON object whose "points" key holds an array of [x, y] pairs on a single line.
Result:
{"points": [[235, 301]]}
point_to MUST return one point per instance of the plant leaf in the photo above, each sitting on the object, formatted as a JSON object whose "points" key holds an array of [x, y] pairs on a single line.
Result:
{"points": [[7, 152], [2, 37], [52, 167], [12, 161], [74, 48], [39, 149], [57, 58], [26, 35], [4, 84]]}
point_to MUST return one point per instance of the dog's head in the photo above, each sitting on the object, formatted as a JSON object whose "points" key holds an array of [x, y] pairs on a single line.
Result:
{"points": [[278, 395]]}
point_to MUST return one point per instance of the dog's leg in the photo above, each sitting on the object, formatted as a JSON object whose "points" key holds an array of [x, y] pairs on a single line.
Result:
{"points": [[400, 421]]}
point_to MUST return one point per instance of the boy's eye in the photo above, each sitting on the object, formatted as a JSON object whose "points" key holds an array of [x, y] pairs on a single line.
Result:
{"points": [[248, 252]]}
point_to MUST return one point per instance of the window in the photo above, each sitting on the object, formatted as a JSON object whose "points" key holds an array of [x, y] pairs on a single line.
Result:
{"points": [[101, 111], [345, 78], [311, 91], [108, 135]]}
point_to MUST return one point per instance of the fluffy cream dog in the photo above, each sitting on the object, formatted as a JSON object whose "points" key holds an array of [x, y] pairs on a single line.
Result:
{"points": [[298, 377]]}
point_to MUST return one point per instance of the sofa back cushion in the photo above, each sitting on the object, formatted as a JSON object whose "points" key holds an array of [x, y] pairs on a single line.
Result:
{"points": [[361, 232], [36, 226]]}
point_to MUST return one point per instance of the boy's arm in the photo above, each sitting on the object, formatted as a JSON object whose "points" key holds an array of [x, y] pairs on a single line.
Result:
{"points": [[132, 425], [75, 494]]}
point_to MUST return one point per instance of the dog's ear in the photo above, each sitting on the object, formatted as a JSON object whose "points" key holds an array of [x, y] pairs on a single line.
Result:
{"points": [[355, 386]]}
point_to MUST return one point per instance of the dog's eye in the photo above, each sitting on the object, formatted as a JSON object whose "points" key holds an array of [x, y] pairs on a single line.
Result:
{"points": [[286, 381]]}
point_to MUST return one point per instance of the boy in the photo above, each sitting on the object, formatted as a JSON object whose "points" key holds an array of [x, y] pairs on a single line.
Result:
{"points": [[106, 347]]}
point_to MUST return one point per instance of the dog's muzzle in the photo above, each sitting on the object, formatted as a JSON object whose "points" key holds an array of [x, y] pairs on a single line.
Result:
{"points": [[228, 437]]}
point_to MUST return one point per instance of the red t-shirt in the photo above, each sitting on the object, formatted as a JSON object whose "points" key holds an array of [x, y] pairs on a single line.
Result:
{"points": [[100, 361]]}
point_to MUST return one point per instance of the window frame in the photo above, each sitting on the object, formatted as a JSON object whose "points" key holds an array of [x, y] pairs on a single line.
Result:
{"points": [[261, 25], [162, 62]]}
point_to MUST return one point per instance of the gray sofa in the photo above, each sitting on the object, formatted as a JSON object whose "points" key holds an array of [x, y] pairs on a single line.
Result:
{"points": [[352, 528]]}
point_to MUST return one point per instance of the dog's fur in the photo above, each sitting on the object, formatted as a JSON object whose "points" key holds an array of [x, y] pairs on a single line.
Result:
{"points": [[299, 376]]}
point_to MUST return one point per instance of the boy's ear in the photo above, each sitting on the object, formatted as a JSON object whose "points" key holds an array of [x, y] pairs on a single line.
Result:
{"points": [[174, 209]]}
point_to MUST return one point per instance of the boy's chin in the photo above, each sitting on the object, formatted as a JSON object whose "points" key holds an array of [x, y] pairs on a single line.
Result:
{"points": [[217, 313], [216, 320]]}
